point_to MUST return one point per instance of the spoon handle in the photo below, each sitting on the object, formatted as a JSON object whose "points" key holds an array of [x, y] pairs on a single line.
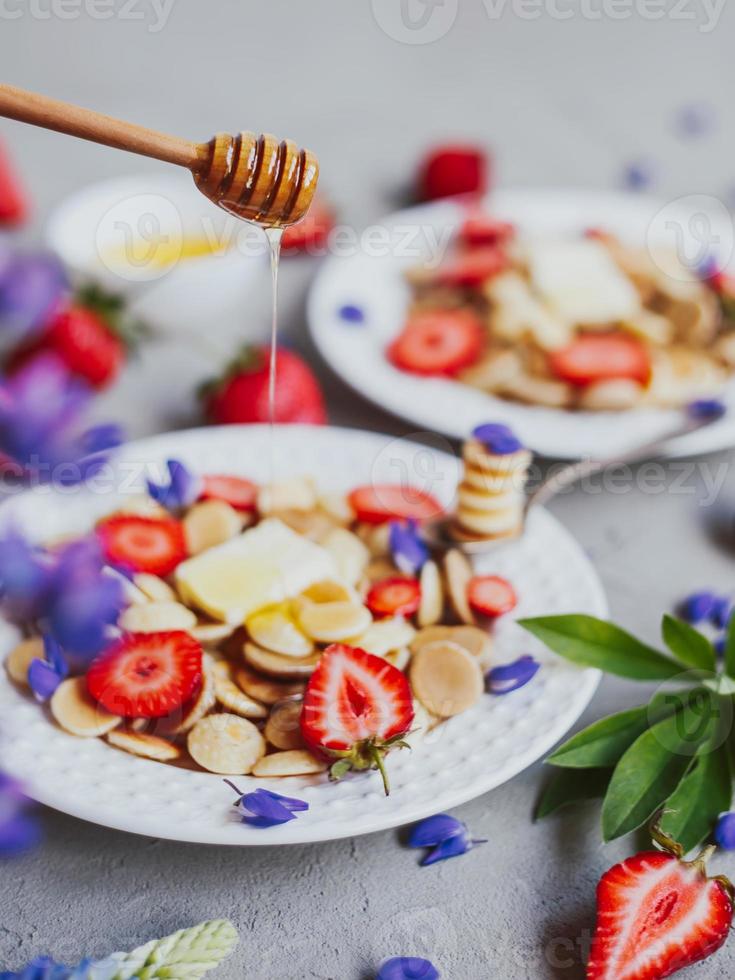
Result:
{"points": [[62, 117]]}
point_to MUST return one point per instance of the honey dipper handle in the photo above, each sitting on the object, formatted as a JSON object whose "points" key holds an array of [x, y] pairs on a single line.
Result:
{"points": [[62, 117]]}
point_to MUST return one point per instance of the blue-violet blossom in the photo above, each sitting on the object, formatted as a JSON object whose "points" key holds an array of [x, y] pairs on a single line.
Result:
{"points": [[445, 835]]}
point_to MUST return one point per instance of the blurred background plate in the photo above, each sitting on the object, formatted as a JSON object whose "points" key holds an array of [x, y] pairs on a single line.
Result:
{"points": [[372, 279]]}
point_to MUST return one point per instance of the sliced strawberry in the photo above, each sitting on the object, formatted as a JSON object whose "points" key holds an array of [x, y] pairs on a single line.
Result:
{"points": [[438, 342], [147, 675], [13, 201], [143, 544], [396, 596], [457, 168], [601, 357], [311, 233], [234, 490], [480, 229], [491, 595], [382, 502], [657, 914], [356, 708], [470, 269]]}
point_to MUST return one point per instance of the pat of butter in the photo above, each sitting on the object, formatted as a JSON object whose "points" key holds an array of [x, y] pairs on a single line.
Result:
{"points": [[580, 282], [265, 565]]}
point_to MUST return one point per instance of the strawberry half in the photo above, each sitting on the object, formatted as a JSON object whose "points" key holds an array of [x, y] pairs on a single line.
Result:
{"points": [[657, 914], [395, 596], [470, 269], [356, 708], [480, 229], [234, 490], [491, 595], [147, 675], [601, 357], [143, 544], [382, 502], [439, 342]]}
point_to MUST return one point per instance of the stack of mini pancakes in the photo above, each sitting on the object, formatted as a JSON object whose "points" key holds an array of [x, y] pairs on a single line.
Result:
{"points": [[491, 495]]}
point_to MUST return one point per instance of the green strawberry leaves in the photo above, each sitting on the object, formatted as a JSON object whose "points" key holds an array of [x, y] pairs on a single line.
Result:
{"points": [[186, 955], [670, 755], [592, 642]]}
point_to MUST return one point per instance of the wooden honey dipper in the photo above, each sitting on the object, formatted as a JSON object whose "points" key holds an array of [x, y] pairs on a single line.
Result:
{"points": [[258, 178]]}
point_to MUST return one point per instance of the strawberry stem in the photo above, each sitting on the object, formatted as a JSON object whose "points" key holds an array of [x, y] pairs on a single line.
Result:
{"points": [[379, 760]]}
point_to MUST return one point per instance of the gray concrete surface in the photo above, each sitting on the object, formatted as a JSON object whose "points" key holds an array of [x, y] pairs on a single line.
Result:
{"points": [[564, 102]]}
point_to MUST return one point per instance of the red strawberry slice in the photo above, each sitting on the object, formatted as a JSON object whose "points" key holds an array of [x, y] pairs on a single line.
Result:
{"points": [[381, 502], [601, 357], [13, 202], [439, 342], [480, 229], [234, 490], [356, 708], [147, 675], [396, 596], [453, 169], [491, 595], [470, 269], [310, 234], [143, 544], [657, 914]]}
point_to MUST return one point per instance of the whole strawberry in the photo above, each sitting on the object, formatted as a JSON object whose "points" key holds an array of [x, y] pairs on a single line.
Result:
{"points": [[241, 395], [657, 914], [13, 201], [89, 334]]}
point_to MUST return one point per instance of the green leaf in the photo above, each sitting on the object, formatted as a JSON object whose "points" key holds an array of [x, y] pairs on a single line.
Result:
{"points": [[688, 645], [704, 793], [594, 642], [570, 786], [652, 768], [602, 743], [186, 955], [730, 648]]}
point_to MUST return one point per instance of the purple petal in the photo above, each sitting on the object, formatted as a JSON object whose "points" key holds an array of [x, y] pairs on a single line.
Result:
{"points": [[695, 120], [725, 832], [498, 438], [31, 289], [452, 847], [351, 314], [262, 806], [640, 175], [706, 409], [53, 655], [698, 607], [43, 679], [407, 968], [435, 829], [181, 490], [289, 802], [511, 677], [25, 577], [408, 550], [18, 835]]}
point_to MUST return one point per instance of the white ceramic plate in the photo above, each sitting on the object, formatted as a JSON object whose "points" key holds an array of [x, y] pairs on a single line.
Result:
{"points": [[371, 278], [471, 754]]}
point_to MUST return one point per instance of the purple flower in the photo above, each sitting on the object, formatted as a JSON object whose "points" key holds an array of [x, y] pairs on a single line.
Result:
{"points": [[405, 968], [25, 577], [19, 829], [511, 677], [44, 968], [263, 808], [84, 601], [725, 832], [408, 550], [722, 612], [181, 490], [445, 835], [706, 410], [639, 175], [698, 607], [351, 313], [44, 676], [498, 438], [41, 409], [31, 288]]}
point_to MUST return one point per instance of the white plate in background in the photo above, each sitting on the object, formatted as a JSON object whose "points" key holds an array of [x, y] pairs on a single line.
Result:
{"points": [[375, 283]]}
